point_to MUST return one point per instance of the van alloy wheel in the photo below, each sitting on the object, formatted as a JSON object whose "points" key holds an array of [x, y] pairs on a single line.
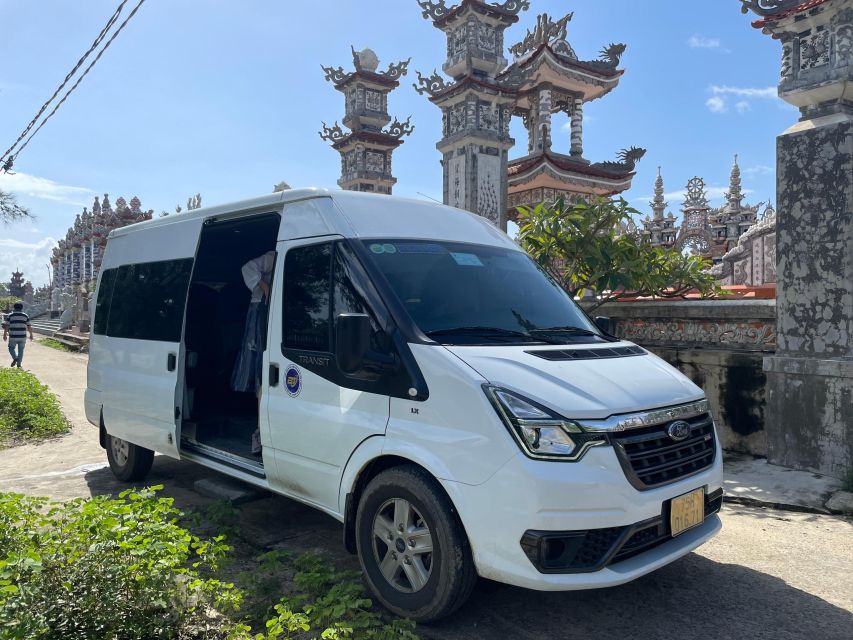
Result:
{"points": [[402, 545], [121, 450]]}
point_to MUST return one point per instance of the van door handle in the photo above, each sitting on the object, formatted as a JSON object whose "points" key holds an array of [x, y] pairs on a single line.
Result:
{"points": [[172, 361], [273, 375]]}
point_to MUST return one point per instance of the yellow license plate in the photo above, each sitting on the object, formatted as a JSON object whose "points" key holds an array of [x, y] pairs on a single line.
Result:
{"points": [[687, 511]]}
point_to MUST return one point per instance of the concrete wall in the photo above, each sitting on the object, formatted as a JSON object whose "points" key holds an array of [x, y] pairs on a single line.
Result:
{"points": [[720, 345]]}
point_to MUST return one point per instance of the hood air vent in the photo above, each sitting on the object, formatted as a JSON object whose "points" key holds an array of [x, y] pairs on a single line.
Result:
{"points": [[587, 354]]}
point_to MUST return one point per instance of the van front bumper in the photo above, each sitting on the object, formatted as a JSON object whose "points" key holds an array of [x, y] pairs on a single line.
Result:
{"points": [[607, 531]]}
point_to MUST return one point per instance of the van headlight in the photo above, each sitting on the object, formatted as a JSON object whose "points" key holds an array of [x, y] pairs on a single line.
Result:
{"points": [[540, 432]]}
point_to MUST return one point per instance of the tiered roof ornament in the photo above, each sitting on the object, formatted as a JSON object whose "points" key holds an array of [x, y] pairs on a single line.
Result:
{"points": [[367, 148], [476, 106], [557, 80], [545, 77]]}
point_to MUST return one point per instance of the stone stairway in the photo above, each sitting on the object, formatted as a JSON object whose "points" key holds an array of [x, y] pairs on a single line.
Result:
{"points": [[45, 326]]}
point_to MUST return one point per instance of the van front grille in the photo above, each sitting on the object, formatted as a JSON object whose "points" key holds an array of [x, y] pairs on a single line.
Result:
{"points": [[651, 458]]}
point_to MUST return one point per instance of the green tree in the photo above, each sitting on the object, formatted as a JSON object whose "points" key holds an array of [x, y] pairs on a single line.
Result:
{"points": [[10, 210], [581, 247]]}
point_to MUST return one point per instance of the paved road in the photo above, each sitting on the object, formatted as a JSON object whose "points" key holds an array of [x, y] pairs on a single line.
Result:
{"points": [[769, 574]]}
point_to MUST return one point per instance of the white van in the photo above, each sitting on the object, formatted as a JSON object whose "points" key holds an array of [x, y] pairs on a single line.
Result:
{"points": [[422, 381]]}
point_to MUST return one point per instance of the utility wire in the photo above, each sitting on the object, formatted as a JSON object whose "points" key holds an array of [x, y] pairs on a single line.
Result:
{"points": [[75, 85], [68, 77]]}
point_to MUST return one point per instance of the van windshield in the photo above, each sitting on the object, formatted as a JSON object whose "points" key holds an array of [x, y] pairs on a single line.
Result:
{"points": [[459, 293]]}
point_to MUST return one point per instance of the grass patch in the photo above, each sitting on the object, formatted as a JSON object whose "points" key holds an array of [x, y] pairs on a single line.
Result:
{"points": [[56, 344], [28, 410]]}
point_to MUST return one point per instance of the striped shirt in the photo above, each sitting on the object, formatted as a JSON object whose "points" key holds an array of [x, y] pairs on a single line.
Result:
{"points": [[17, 323]]}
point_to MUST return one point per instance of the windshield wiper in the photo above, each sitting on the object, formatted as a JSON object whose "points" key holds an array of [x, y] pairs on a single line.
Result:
{"points": [[480, 330], [578, 331]]}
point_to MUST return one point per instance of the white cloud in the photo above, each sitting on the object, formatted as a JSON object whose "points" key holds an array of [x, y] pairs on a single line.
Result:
{"points": [[32, 258], [743, 92], [702, 42], [759, 170], [44, 188], [716, 104], [567, 126]]}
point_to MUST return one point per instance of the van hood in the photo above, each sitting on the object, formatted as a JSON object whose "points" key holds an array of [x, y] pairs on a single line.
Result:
{"points": [[582, 388]]}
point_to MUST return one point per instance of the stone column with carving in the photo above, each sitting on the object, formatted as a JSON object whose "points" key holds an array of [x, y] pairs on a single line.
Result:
{"points": [[476, 106], [810, 378], [577, 129]]}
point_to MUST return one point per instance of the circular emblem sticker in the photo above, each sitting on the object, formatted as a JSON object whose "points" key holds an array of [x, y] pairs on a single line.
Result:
{"points": [[377, 248], [293, 381], [389, 248]]}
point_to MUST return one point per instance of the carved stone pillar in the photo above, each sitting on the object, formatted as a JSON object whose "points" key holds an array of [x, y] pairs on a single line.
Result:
{"points": [[810, 404], [542, 134], [577, 128]]}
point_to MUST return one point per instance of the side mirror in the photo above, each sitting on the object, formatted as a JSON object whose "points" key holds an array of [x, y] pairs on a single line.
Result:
{"points": [[603, 323], [352, 340]]}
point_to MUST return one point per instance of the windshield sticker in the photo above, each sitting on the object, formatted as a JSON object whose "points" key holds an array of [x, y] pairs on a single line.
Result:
{"points": [[293, 381], [377, 248], [419, 247], [389, 248], [467, 259]]}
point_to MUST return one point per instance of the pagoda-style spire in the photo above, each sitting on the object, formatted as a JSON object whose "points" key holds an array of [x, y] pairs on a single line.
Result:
{"points": [[366, 149], [659, 204], [735, 194]]}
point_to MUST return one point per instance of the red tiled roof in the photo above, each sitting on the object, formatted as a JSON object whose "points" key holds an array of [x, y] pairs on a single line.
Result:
{"points": [[368, 136], [465, 82], [569, 62], [809, 4], [566, 164], [367, 75]]}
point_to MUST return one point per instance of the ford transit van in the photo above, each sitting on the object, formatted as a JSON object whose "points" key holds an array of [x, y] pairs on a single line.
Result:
{"points": [[419, 379]]}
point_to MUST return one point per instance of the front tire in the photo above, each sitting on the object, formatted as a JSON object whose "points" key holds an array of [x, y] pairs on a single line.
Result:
{"points": [[412, 547], [128, 462]]}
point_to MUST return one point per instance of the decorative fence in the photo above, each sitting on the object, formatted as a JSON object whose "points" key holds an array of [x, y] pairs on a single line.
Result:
{"points": [[720, 345]]}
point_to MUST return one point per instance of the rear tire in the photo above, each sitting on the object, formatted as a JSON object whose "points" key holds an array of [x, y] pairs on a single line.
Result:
{"points": [[128, 462], [412, 547]]}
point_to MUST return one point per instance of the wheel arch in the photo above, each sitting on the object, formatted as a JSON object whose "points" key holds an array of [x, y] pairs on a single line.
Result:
{"points": [[369, 469]]}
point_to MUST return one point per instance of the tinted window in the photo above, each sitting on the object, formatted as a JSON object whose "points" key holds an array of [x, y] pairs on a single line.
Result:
{"points": [[102, 306], [148, 300], [307, 284], [450, 285]]}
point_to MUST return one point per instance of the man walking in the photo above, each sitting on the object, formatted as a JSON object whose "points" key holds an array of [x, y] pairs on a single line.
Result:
{"points": [[15, 328]]}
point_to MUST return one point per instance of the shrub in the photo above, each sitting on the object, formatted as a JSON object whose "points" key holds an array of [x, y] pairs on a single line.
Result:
{"points": [[120, 568], [28, 410], [328, 604], [55, 344]]}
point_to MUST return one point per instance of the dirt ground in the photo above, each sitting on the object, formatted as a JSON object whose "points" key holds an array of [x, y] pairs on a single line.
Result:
{"points": [[768, 574]]}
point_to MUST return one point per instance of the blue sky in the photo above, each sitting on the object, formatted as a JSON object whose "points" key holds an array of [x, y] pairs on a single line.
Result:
{"points": [[226, 98]]}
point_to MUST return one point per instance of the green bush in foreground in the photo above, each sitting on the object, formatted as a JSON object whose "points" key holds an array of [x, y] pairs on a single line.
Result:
{"points": [[103, 568], [28, 410], [327, 604]]}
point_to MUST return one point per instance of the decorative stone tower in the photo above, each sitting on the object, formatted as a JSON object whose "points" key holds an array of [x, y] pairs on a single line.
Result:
{"points": [[810, 377], [732, 220], [660, 229], [366, 150], [476, 107], [553, 79], [16, 285], [695, 232]]}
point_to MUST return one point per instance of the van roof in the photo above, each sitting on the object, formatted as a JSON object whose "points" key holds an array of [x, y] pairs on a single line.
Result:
{"points": [[366, 214]]}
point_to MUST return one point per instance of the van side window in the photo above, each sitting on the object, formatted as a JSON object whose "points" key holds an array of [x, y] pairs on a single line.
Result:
{"points": [[102, 306], [148, 300], [307, 284]]}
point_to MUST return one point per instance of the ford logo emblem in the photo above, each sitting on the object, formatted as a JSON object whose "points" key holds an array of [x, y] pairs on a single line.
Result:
{"points": [[678, 430]]}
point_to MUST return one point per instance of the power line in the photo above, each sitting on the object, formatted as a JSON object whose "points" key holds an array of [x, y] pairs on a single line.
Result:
{"points": [[68, 77], [76, 84]]}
